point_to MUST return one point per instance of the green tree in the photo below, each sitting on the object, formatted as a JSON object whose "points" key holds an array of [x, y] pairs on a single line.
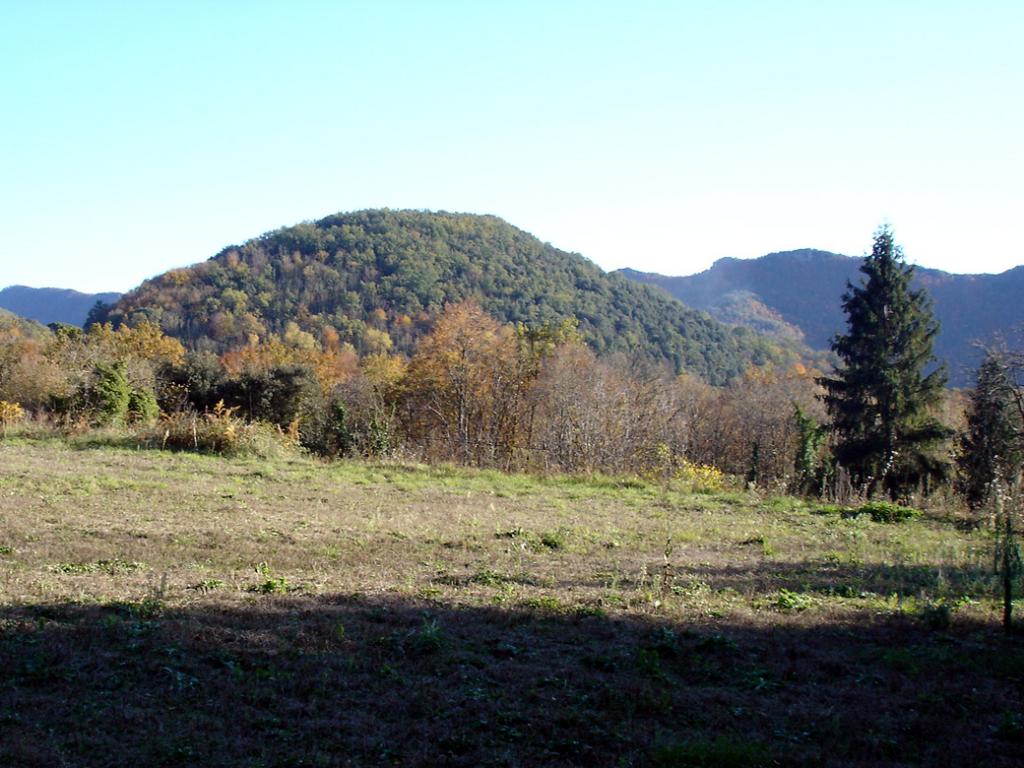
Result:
{"points": [[990, 445], [110, 394], [880, 400], [143, 407], [990, 457], [807, 462]]}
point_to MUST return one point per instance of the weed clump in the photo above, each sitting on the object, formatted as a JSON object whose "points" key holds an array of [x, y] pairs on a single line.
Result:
{"points": [[887, 512], [428, 639], [146, 609], [937, 616], [109, 567], [878, 511], [491, 578], [790, 601], [207, 585], [553, 539], [270, 584]]}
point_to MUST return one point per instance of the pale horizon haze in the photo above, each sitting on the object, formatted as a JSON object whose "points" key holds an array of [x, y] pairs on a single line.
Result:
{"points": [[137, 137]]}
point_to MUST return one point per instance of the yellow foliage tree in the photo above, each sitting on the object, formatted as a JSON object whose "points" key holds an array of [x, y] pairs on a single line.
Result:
{"points": [[454, 382]]}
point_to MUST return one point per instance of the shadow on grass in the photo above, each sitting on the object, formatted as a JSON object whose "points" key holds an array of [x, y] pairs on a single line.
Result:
{"points": [[348, 680], [848, 580], [820, 577]]}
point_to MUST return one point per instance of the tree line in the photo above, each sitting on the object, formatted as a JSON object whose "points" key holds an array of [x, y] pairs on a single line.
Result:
{"points": [[473, 391], [519, 396]]}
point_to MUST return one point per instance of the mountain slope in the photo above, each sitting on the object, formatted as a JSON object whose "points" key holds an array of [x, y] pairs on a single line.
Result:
{"points": [[16, 326], [51, 305], [378, 278], [804, 289]]}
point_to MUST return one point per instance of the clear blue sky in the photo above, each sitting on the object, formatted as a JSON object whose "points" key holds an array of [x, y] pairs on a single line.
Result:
{"points": [[137, 136]]}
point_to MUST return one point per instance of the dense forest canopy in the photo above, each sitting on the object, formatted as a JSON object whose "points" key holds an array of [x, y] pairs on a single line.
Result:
{"points": [[377, 279]]}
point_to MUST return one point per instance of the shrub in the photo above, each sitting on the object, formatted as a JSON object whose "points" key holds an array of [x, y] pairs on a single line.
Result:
{"points": [[142, 406], [109, 396], [220, 431], [275, 395], [325, 427], [10, 414], [700, 478], [379, 439], [878, 511], [936, 615], [885, 512], [192, 384]]}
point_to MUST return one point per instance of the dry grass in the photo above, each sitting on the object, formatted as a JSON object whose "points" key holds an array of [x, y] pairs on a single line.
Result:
{"points": [[172, 609]]}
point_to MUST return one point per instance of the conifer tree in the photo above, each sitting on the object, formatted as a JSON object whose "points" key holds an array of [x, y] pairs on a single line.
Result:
{"points": [[881, 400], [990, 446]]}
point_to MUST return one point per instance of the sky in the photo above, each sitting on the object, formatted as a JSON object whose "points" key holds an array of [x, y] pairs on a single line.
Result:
{"points": [[140, 136]]}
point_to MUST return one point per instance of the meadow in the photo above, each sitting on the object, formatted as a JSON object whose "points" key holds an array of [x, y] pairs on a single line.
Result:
{"points": [[163, 608]]}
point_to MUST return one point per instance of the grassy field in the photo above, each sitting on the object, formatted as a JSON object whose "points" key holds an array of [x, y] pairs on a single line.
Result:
{"points": [[174, 609]]}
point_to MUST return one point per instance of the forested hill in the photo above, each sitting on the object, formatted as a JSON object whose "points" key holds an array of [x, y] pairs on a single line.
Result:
{"points": [[12, 325], [379, 277], [51, 305], [799, 293]]}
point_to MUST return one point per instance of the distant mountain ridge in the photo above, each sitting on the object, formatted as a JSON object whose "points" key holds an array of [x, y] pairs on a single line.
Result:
{"points": [[52, 305], [800, 292], [378, 278]]}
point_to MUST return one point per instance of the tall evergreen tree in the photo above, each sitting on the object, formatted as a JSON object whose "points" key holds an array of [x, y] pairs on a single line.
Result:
{"points": [[990, 446], [880, 400]]}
